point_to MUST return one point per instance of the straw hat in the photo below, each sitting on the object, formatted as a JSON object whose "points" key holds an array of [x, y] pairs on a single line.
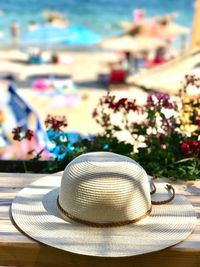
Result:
{"points": [[102, 206]]}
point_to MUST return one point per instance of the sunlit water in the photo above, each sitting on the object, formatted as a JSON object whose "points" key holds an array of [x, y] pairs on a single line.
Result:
{"points": [[101, 16]]}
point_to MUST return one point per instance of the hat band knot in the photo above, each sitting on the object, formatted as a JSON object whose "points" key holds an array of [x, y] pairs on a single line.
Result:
{"points": [[96, 224]]}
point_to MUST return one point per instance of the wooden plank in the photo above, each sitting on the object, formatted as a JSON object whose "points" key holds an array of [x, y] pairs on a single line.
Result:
{"points": [[17, 249], [47, 256]]}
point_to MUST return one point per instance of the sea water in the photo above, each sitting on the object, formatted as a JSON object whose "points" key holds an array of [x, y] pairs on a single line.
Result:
{"points": [[101, 16]]}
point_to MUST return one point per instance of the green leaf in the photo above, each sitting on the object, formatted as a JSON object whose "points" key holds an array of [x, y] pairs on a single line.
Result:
{"points": [[184, 160]]}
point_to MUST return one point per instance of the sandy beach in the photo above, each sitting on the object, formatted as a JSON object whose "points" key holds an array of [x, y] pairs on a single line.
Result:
{"points": [[83, 67]]}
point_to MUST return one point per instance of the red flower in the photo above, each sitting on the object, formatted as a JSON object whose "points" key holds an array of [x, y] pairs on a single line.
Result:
{"points": [[94, 113], [17, 133], [55, 122], [132, 106], [18, 136], [161, 137], [29, 134], [191, 79], [119, 104], [123, 103], [108, 99], [191, 148], [198, 123]]}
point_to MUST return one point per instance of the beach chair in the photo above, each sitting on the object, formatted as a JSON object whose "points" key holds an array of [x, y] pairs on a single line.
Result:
{"points": [[117, 79]]}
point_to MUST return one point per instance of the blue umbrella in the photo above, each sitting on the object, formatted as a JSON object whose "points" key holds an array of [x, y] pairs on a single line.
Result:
{"points": [[71, 35], [45, 34], [78, 35]]}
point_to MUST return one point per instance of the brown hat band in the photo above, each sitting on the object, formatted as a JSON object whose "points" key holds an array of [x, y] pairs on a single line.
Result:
{"points": [[122, 223], [96, 224]]}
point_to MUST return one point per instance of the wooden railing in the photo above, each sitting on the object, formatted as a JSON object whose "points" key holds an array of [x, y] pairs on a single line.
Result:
{"points": [[16, 249]]}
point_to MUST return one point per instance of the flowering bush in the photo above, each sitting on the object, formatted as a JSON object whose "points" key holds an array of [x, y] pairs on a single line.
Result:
{"points": [[163, 135], [19, 134]]}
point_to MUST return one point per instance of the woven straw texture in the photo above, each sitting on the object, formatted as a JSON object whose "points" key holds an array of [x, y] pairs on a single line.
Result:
{"points": [[105, 187], [35, 211]]}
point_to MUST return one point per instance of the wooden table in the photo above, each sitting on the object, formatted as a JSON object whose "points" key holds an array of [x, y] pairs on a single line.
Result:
{"points": [[18, 250]]}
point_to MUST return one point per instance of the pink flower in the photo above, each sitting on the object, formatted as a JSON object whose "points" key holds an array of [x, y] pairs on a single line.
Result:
{"points": [[159, 101]]}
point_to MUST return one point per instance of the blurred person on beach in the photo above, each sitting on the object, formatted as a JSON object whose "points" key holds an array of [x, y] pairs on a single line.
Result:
{"points": [[55, 58], [15, 32], [32, 26], [138, 16], [56, 19], [128, 62], [34, 55], [1, 33], [160, 57]]}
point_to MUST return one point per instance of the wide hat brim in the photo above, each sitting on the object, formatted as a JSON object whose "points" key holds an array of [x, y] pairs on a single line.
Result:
{"points": [[35, 212]]}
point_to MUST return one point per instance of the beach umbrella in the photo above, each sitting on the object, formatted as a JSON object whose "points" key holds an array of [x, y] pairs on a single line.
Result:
{"points": [[80, 36], [45, 34], [133, 44], [128, 26], [52, 35], [169, 76], [171, 31], [168, 30]]}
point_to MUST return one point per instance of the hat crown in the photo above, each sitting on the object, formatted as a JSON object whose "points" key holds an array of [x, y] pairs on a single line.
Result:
{"points": [[104, 187]]}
